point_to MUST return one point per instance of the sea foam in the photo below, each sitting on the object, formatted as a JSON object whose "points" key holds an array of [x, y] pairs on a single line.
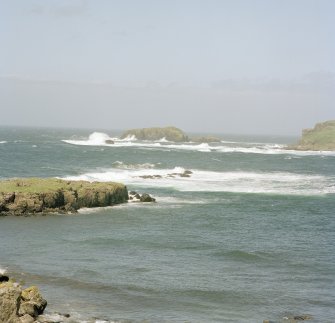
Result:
{"points": [[210, 181], [99, 139]]}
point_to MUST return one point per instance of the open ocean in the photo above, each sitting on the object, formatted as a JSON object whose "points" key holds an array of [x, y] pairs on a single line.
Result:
{"points": [[249, 236]]}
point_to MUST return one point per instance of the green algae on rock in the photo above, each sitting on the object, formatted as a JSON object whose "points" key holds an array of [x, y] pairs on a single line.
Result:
{"points": [[321, 137], [25, 196], [156, 133]]}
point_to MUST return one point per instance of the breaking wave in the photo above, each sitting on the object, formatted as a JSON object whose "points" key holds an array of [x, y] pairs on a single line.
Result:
{"points": [[282, 183], [3, 142], [101, 139]]}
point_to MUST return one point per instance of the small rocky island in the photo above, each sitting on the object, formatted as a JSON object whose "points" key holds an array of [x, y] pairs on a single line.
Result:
{"points": [[168, 133], [321, 137], [156, 133], [49, 195]]}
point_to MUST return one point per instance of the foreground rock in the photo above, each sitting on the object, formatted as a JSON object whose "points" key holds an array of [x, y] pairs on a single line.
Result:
{"points": [[169, 133], [321, 137], [37, 195], [19, 305]]}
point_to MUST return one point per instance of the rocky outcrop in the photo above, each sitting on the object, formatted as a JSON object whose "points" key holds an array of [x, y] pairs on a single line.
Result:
{"points": [[169, 133], [136, 197], [321, 137], [37, 195], [19, 305], [185, 173], [205, 139]]}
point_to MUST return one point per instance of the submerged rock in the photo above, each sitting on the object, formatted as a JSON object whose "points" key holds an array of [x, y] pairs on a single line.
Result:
{"points": [[41, 195]]}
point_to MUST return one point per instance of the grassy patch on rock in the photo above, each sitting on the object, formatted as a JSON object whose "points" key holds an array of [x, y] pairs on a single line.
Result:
{"points": [[321, 137]]}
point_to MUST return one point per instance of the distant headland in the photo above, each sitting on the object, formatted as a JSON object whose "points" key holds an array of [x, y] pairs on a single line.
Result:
{"points": [[321, 137]]}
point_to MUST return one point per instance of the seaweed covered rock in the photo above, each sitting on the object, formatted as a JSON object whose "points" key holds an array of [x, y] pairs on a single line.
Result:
{"points": [[321, 137], [169, 133], [43, 195]]}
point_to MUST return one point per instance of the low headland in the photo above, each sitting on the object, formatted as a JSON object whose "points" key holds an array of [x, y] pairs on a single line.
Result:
{"points": [[319, 138], [24, 196]]}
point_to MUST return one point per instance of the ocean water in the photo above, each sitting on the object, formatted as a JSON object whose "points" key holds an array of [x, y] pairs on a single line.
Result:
{"points": [[249, 236]]}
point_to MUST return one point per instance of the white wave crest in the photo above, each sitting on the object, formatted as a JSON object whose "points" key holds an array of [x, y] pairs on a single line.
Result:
{"points": [[3, 142], [210, 181], [2, 271], [94, 139], [128, 138], [120, 164], [99, 139]]}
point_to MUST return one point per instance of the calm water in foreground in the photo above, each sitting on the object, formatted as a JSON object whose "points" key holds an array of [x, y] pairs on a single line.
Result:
{"points": [[249, 236]]}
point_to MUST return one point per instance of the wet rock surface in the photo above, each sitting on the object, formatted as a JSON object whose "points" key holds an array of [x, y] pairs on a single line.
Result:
{"points": [[136, 197], [186, 173]]}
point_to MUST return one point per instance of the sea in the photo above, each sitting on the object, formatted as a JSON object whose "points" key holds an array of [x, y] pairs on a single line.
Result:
{"points": [[249, 236]]}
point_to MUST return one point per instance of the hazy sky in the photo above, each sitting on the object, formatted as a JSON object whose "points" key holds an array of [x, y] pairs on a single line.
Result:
{"points": [[234, 66]]}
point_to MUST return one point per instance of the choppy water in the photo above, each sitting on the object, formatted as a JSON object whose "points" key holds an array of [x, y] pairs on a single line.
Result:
{"points": [[249, 236]]}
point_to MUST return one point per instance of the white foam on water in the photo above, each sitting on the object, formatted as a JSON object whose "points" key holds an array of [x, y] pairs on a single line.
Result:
{"points": [[3, 142], [210, 181], [2, 271], [94, 139], [163, 140], [120, 164], [99, 139]]}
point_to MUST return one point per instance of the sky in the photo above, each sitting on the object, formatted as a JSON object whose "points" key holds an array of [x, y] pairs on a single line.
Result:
{"points": [[216, 66]]}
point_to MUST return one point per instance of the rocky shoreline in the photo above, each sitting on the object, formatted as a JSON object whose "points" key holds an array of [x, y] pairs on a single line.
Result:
{"points": [[19, 305]]}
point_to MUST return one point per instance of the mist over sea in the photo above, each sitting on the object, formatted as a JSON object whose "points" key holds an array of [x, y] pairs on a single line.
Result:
{"points": [[248, 236]]}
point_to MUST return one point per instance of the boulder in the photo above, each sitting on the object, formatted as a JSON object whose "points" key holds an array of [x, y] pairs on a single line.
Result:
{"points": [[34, 300], [10, 297], [147, 198], [27, 319], [3, 278], [109, 141]]}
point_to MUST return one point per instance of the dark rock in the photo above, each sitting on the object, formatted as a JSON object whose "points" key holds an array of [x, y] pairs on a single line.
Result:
{"points": [[109, 141], [147, 198], [137, 196], [132, 193], [302, 317], [9, 198], [4, 278], [188, 172]]}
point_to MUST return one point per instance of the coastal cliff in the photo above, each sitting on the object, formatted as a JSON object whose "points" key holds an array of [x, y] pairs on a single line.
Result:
{"points": [[321, 137], [45, 195], [169, 133]]}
